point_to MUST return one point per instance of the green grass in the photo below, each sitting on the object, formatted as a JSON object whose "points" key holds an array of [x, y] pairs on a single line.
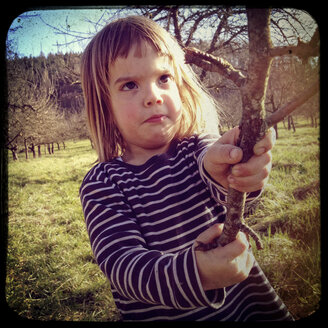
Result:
{"points": [[51, 273], [289, 218]]}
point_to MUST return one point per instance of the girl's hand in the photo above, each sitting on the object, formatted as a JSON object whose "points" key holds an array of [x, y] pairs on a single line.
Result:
{"points": [[245, 177], [223, 266]]}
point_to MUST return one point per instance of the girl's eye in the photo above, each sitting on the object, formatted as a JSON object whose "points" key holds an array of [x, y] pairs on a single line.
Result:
{"points": [[129, 86], [165, 78]]}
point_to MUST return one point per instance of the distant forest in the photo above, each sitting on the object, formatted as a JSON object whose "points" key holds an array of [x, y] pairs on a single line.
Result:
{"points": [[45, 103]]}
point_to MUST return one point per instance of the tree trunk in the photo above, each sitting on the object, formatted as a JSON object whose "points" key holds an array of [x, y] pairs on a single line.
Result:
{"points": [[25, 148], [91, 143], [291, 123], [276, 129], [32, 148], [253, 126], [284, 123], [15, 157], [39, 150], [14, 152]]}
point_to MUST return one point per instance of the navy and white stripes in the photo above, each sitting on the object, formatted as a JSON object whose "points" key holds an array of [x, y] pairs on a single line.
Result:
{"points": [[142, 222]]}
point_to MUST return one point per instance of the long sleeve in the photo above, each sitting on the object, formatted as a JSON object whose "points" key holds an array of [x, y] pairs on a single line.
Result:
{"points": [[135, 271]]}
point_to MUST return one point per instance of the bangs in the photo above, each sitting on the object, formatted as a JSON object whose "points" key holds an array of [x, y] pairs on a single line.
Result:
{"points": [[134, 32]]}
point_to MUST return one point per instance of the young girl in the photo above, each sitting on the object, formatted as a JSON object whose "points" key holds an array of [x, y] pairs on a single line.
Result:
{"points": [[160, 186]]}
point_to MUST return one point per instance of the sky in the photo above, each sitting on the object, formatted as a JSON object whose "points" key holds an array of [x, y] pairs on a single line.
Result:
{"points": [[29, 33]]}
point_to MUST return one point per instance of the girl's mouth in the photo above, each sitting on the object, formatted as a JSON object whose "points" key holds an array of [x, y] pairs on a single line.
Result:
{"points": [[156, 119]]}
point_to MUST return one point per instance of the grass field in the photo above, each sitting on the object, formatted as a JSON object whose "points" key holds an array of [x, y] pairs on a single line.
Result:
{"points": [[51, 274]]}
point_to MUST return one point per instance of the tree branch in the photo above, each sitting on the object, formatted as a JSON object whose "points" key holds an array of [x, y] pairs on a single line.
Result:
{"points": [[218, 31], [299, 100], [12, 140], [23, 106], [211, 63], [302, 50], [174, 15]]}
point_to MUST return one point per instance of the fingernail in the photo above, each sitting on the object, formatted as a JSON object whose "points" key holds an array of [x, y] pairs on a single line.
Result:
{"points": [[235, 171], [261, 151], [234, 153], [231, 179]]}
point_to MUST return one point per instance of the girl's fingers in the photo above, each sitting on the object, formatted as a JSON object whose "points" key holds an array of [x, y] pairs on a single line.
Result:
{"points": [[254, 166], [252, 182], [210, 234], [235, 248], [266, 143]]}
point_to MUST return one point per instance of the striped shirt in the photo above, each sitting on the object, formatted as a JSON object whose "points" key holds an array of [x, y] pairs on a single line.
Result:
{"points": [[142, 222]]}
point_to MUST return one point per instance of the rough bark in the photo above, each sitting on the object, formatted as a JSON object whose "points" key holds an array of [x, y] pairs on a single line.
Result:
{"points": [[211, 63], [253, 126]]}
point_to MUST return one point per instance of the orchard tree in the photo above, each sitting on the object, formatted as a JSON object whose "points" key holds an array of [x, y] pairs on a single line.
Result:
{"points": [[254, 122], [32, 107], [30, 95]]}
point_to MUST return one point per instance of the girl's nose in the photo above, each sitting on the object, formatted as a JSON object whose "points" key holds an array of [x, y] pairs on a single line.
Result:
{"points": [[153, 97]]}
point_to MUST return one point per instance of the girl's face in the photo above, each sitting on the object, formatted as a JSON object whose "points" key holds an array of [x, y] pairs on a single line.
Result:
{"points": [[145, 101]]}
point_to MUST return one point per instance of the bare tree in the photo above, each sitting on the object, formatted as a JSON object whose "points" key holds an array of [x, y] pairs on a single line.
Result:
{"points": [[32, 108], [254, 124]]}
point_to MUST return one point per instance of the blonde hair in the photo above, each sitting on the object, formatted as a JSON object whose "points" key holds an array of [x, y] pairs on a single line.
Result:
{"points": [[115, 40]]}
